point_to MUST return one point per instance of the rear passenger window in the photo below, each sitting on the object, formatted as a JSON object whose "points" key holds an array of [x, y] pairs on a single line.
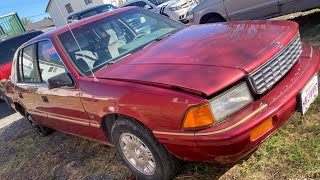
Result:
{"points": [[50, 63], [26, 67]]}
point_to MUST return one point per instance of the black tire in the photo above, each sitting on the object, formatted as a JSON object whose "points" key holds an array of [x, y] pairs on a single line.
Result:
{"points": [[42, 131], [214, 19], [165, 163]]}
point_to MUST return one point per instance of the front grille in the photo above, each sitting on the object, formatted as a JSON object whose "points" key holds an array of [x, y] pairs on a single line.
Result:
{"points": [[277, 67]]}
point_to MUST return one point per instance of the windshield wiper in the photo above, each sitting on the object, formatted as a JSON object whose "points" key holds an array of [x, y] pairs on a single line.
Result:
{"points": [[114, 61], [162, 37]]}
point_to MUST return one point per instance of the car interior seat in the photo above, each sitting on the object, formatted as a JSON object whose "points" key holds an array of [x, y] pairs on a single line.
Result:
{"points": [[114, 43]]}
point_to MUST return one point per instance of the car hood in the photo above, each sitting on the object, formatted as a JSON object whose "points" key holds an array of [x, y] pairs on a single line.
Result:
{"points": [[204, 59]]}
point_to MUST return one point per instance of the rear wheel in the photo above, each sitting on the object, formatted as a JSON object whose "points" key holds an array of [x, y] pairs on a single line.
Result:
{"points": [[141, 151], [41, 130]]}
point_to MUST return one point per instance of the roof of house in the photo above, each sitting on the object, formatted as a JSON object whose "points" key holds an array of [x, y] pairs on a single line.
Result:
{"points": [[40, 25]]}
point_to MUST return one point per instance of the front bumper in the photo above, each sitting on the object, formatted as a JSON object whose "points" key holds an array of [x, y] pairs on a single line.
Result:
{"points": [[230, 141]]}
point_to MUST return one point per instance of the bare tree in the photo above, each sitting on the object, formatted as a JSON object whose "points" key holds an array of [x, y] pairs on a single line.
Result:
{"points": [[25, 21]]}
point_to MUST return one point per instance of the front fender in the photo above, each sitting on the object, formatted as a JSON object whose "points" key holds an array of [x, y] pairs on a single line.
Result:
{"points": [[155, 107]]}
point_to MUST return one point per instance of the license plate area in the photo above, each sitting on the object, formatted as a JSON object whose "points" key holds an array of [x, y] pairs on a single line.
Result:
{"points": [[308, 94]]}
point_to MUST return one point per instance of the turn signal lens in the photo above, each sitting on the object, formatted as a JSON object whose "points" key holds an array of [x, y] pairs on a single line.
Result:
{"points": [[198, 117], [261, 129]]}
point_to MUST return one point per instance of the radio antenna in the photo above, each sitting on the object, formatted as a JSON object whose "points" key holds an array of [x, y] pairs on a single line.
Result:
{"points": [[81, 52]]}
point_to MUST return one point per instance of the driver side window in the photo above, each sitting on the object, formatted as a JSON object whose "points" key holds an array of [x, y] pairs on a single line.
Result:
{"points": [[50, 63]]}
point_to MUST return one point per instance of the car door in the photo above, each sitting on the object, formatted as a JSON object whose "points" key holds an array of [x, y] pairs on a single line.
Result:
{"points": [[62, 105], [251, 9], [27, 85]]}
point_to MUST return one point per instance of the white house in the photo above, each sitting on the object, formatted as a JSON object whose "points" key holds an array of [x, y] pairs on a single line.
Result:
{"points": [[59, 10]]}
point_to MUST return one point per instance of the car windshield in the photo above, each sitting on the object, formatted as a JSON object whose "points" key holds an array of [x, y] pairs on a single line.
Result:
{"points": [[9, 47], [107, 40], [98, 10], [158, 2]]}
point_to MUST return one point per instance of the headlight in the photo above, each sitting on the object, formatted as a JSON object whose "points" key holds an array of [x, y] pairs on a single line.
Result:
{"points": [[230, 102], [219, 108], [175, 8]]}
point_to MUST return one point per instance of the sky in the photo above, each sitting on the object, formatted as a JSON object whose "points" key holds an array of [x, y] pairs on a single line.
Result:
{"points": [[31, 9]]}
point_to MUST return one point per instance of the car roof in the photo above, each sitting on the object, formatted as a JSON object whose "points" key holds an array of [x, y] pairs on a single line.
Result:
{"points": [[67, 27], [89, 9], [20, 35]]}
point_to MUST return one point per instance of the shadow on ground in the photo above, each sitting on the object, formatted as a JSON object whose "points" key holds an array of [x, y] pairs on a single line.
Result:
{"points": [[5, 111]]}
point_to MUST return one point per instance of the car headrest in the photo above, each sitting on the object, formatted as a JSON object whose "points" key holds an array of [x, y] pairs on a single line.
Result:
{"points": [[113, 36]]}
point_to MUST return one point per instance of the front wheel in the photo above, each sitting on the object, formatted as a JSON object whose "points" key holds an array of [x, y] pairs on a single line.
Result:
{"points": [[141, 151]]}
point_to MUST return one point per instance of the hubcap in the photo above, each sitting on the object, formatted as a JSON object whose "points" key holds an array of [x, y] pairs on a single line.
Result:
{"points": [[137, 153]]}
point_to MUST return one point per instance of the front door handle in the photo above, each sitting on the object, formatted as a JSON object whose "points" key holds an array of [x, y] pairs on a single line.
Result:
{"points": [[20, 95], [45, 99]]}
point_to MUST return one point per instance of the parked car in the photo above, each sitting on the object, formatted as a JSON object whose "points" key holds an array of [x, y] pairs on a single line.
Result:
{"points": [[90, 12], [134, 21], [8, 47], [174, 9], [189, 92], [210, 11]]}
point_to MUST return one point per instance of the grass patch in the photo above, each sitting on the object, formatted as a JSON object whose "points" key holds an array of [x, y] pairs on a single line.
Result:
{"points": [[23, 152]]}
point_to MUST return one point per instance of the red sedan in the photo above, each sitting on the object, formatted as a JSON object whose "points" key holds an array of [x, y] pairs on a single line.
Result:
{"points": [[159, 91]]}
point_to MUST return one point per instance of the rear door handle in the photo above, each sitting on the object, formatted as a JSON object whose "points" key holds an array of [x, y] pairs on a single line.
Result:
{"points": [[45, 99]]}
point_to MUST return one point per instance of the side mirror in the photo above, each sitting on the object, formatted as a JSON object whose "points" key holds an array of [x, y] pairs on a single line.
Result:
{"points": [[60, 80], [147, 7]]}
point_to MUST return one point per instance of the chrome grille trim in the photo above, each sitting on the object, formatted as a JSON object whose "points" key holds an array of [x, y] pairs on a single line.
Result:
{"points": [[277, 67]]}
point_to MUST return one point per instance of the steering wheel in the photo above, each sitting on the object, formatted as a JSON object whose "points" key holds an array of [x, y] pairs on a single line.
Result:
{"points": [[139, 36]]}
